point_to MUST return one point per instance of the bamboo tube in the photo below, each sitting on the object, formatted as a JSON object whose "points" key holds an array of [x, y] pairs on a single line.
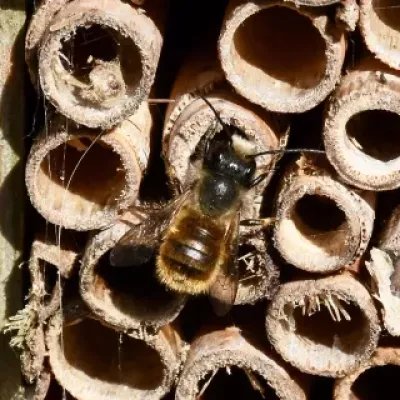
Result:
{"points": [[376, 379], [359, 134], [224, 364], [380, 29], [126, 298], [12, 131], [321, 224], [188, 119], [92, 361], [293, 67], [82, 181], [347, 321], [96, 60]]}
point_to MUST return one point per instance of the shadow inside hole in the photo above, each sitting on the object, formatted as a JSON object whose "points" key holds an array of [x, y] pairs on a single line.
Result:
{"points": [[49, 275], [236, 385], [135, 290], [275, 39], [388, 12], [375, 133], [345, 335], [321, 222], [377, 383], [110, 357], [320, 213], [99, 178]]}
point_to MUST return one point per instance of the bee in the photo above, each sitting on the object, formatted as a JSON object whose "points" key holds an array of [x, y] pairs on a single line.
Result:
{"points": [[195, 237]]}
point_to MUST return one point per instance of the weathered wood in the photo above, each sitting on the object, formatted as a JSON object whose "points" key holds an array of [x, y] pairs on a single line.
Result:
{"points": [[12, 201]]}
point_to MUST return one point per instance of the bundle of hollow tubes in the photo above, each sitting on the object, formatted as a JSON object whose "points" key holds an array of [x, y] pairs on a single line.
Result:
{"points": [[215, 200]]}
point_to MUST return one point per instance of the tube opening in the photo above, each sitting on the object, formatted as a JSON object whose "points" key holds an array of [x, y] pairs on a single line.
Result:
{"points": [[375, 133], [236, 383], [342, 326], [318, 213], [105, 355], [98, 66], [269, 43], [135, 291], [376, 383], [97, 183]]}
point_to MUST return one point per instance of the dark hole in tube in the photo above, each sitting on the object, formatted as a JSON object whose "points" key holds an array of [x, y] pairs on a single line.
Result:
{"points": [[377, 383], [235, 384], [375, 133], [134, 290], [319, 213]]}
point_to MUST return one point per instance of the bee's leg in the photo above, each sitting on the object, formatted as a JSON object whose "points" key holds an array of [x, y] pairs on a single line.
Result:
{"points": [[263, 222], [258, 179]]}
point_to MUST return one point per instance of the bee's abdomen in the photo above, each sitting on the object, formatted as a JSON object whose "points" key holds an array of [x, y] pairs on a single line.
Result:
{"points": [[190, 253]]}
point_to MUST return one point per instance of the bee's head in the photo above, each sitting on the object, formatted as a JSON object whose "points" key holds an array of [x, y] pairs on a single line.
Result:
{"points": [[226, 154]]}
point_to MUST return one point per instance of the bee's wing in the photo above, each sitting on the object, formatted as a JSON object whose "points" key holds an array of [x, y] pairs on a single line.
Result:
{"points": [[140, 243], [223, 291]]}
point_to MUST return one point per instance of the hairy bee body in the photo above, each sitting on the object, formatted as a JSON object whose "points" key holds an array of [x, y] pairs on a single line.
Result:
{"points": [[192, 251]]}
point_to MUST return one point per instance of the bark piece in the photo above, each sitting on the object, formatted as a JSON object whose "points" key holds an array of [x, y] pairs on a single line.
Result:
{"points": [[126, 298], [321, 224], [380, 28], [221, 353], [91, 360], [326, 327], [12, 201], [82, 180], [96, 60], [375, 379], [382, 270], [360, 133], [259, 51]]}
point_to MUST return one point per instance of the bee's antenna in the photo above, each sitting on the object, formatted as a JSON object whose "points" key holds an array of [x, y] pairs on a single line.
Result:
{"points": [[216, 114], [280, 151]]}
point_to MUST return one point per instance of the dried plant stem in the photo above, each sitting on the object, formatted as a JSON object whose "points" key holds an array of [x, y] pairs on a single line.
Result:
{"points": [[259, 51], [98, 362], [96, 60], [126, 298], [225, 352], [93, 176], [375, 378], [321, 224], [380, 28], [328, 326], [366, 102]]}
